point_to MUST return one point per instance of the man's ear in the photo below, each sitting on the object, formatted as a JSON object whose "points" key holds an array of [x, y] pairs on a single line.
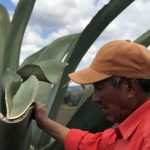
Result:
{"points": [[133, 88]]}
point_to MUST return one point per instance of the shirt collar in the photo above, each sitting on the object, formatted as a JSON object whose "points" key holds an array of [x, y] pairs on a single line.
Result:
{"points": [[128, 126]]}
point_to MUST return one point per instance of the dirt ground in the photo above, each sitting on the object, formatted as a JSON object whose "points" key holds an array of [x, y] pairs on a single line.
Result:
{"points": [[65, 113]]}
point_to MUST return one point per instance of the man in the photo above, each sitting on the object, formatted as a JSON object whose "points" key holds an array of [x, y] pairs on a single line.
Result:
{"points": [[120, 74]]}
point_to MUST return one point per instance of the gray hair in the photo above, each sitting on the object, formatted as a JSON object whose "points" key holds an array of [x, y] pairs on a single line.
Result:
{"points": [[116, 81], [143, 83]]}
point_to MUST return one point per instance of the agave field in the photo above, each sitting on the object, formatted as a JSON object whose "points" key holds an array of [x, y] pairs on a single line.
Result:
{"points": [[43, 77]]}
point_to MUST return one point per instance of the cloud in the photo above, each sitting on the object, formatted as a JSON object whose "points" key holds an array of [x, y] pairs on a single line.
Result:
{"points": [[32, 36], [15, 2], [55, 18], [132, 22], [61, 13], [27, 50]]}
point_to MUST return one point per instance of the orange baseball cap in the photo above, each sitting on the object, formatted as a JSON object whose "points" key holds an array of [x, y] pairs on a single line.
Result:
{"points": [[117, 58]]}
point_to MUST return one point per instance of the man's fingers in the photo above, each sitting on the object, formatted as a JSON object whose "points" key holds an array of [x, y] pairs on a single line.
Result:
{"points": [[38, 104], [38, 107]]}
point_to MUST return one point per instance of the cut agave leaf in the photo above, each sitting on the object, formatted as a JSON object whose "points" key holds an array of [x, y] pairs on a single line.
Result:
{"points": [[23, 99], [17, 132], [9, 77], [11, 83], [48, 70], [47, 63]]}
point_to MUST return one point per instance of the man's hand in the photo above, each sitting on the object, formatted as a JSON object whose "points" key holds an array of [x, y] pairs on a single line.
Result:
{"points": [[40, 114], [51, 127]]}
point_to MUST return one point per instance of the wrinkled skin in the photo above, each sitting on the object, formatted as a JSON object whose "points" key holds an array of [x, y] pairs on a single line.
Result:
{"points": [[118, 102]]}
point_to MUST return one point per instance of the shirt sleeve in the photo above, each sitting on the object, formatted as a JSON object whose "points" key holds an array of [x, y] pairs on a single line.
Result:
{"points": [[83, 140], [73, 139]]}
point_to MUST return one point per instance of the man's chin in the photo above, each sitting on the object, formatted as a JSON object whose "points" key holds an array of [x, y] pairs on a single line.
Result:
{"points": [[109, 118]]}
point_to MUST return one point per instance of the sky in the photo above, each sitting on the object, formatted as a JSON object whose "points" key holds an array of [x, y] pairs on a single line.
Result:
{"points": [[55, 18]]}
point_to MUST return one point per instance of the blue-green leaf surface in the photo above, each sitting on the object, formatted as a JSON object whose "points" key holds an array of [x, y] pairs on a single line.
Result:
{"points": [[47, 64], [23, 98], [4, 27], [16, 33]]}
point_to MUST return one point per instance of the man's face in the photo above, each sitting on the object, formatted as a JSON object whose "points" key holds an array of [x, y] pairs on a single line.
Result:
{"points": [[114, 101]]}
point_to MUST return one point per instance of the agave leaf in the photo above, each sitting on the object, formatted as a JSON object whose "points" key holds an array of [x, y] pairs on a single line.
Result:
{"points": [[4, 27], [9, 77], [32, 58], [98, 23], [17, 132], [47, 64], [144, 39], [22, 100], [47, 70], [55, 50], [17, 28], [13, 80]]}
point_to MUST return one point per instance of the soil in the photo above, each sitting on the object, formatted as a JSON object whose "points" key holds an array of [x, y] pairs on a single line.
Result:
{"points": [[65, 113]]}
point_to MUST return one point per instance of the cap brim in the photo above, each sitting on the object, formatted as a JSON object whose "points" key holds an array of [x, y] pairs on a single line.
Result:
{"points": [[87, 76]]}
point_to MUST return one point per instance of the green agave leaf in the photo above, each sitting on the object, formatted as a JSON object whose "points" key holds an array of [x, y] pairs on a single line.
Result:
{"points": [[16, 32], [4, 27], [12, 82], [32, 58], [17, 132], [23, 99], [55, 50], [99, 22], [48, 70], [9, 77], [47, 64], [144, 39]]}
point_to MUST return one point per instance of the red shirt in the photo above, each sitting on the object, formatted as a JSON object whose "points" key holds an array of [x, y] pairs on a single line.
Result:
{"points": [[132, 134]]}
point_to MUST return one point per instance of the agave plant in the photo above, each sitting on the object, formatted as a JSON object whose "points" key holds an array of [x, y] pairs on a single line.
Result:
{"points": [[18, 89], [42, 76]]}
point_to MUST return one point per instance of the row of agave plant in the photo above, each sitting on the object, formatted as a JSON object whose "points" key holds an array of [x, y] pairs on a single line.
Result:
{"points": [[43, 76]]}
